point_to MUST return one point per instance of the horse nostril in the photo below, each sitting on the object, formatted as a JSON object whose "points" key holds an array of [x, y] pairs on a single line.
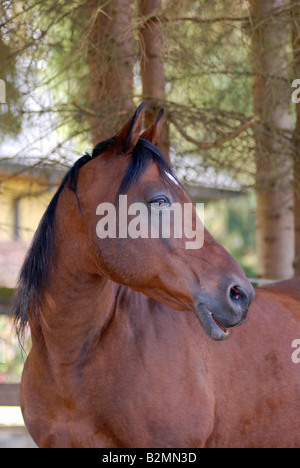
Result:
{"points": [[235, 293], [238, 297], [238, 300]]}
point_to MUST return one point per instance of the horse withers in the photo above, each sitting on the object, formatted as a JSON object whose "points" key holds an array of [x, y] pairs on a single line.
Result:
{"points": [[132, 340]]}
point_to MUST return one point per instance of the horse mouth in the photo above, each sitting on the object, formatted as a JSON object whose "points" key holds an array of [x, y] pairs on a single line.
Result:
{"points": [[210, 324], [225, 330]]}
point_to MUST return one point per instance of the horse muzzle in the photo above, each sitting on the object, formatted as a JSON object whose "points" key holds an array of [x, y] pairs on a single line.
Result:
{"points": [[219, 313]]}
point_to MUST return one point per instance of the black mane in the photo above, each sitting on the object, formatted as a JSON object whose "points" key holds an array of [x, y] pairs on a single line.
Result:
{"points": [[34, 275]]}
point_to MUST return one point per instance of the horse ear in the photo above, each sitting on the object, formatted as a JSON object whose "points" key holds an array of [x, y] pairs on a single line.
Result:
{"points": [[128, 137], [153, 131]]}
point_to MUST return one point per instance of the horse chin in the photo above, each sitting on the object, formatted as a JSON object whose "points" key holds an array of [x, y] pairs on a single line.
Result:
{"points": [[210, 325]]}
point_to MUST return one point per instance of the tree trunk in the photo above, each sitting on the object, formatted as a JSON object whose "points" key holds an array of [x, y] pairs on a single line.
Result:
{"points": [[152, 66], [111, 61], [272, 104], [296, 48]]}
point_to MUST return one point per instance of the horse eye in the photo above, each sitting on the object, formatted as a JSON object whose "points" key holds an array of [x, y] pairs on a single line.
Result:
{"points": [[160, 202]]}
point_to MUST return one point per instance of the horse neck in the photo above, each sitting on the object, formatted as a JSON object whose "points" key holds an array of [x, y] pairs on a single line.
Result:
{"points": [[77, 306]]}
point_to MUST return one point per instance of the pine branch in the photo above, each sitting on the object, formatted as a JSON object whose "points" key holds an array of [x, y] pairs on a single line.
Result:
{"points": [[269, 16], [195, 19], [206, 145]]}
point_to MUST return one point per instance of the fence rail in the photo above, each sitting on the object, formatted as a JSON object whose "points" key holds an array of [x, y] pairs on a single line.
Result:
{"points": [[263, 281]]}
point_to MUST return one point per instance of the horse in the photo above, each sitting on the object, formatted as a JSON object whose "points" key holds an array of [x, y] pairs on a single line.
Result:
{"points": [[142, 342]]}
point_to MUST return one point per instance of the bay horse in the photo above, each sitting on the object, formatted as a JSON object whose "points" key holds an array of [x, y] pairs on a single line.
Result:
{"points": [[134, 341]]}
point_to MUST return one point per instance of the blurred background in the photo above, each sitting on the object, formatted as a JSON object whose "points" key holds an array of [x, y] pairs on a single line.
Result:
{"points": [[71, 73]]}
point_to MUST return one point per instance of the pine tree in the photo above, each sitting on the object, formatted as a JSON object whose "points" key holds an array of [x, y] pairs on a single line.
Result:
{"points": [[111, 61], [272, 105], [152, 66]]}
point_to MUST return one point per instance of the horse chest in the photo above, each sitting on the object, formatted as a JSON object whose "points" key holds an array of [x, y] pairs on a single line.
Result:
{"points": [[154, 401], [149, 401]]}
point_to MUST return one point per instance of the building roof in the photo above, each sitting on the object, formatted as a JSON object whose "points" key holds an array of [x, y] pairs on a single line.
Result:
{"points": [[49, 174], [206, 183]]}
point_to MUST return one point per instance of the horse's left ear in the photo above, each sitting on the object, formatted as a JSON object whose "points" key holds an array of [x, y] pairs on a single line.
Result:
{"points": [[153, 131], [128, 137]]}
